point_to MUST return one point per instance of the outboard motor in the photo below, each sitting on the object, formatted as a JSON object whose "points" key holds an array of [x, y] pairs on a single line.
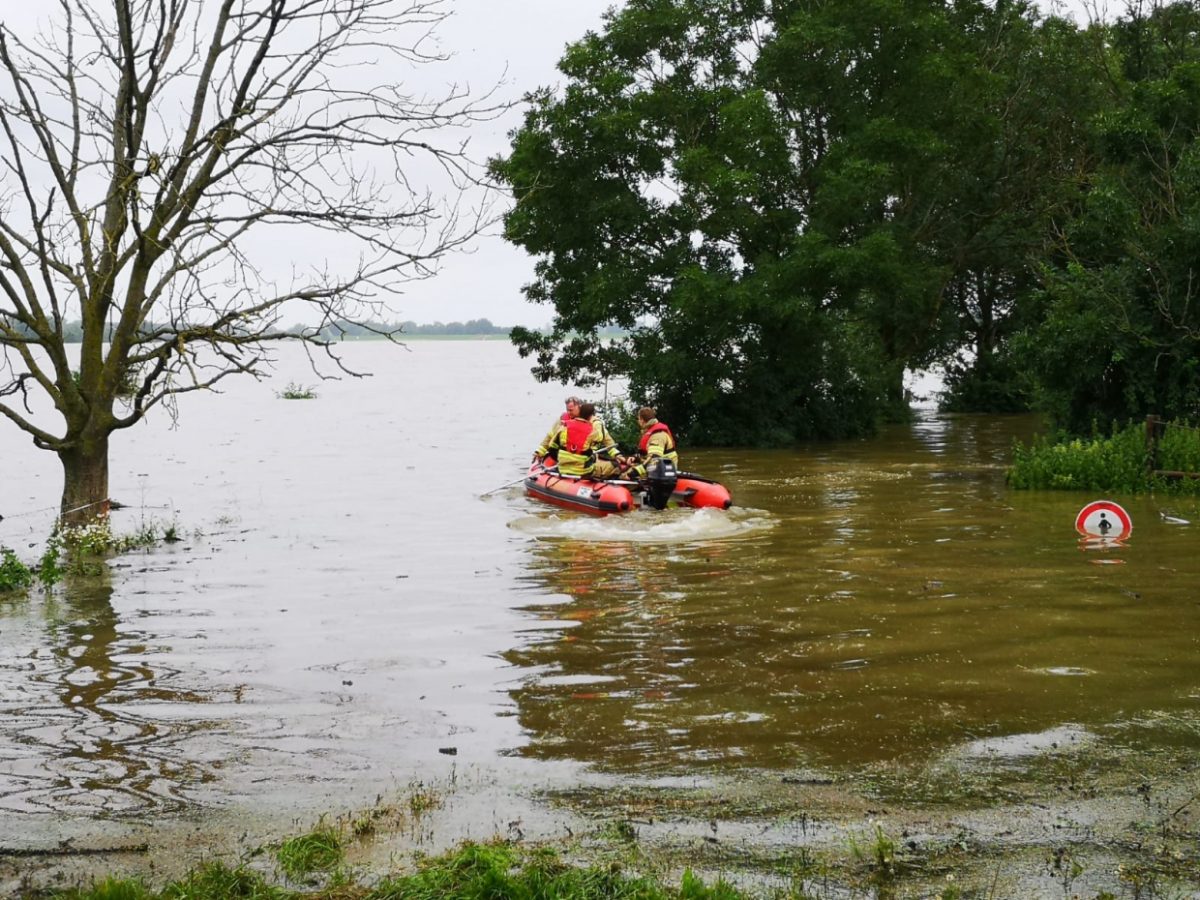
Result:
{"points": [[660, 481]]}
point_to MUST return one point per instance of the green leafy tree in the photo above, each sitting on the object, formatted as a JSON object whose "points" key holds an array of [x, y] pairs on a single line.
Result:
{"points": [[1118, 333], [786, 204], [1016, 184]]}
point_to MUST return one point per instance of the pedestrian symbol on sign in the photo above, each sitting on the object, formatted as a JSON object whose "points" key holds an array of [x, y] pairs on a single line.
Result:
{"points": [[1104, 519]]}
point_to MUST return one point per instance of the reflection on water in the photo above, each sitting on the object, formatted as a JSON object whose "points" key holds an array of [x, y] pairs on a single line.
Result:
{"points": [[904, 603], [88, 713]]}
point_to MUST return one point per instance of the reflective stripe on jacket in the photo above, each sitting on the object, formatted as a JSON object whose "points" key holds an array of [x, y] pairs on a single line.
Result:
{"points": [[652, 446], [548, 440], [574, 442], [658, 448], [607, 447]]}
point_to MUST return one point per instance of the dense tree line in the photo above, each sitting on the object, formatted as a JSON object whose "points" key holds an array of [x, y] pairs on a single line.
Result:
{"points": [[788, 203]]}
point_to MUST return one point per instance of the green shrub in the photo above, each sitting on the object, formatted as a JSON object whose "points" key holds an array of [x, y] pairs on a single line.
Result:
{"points": [[1179, 449], [14, 574], [50, 568], [1117, 463], [620, 418]]}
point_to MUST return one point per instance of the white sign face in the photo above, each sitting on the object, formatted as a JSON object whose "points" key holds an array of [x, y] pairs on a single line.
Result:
{"points": [[1104, 519], [583, 492]]}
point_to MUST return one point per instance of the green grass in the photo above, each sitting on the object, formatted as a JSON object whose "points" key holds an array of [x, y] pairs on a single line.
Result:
{"points": [[472, 872], [210, 882], [111, 889], [215, 880], [501, 871], [305, 855]]}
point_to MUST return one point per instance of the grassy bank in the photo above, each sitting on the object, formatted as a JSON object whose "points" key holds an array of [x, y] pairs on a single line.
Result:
{"points": [[473, 871], [1083, 817]]}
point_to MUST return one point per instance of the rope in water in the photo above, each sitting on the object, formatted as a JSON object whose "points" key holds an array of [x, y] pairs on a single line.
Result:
{"points": [[43, 509]]}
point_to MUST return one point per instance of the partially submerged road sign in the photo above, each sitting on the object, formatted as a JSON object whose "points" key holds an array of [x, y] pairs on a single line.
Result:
{"points": [[1103, 518]]}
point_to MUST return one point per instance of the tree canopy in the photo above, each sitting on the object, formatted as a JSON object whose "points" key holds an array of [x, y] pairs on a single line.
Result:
{"points": [[1116, 332], [788, 204]]}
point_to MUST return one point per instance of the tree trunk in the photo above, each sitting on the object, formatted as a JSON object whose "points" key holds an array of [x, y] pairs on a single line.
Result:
{"points": [[85, 481]]}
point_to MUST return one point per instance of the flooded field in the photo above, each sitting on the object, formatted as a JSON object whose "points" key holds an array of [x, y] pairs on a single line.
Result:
{"points": [[346, 613]]}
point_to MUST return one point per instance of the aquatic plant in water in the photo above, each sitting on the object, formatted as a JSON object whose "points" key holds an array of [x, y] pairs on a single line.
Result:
{"points": [[14, 574], [296, 391], [877, 854], [76, 550]]}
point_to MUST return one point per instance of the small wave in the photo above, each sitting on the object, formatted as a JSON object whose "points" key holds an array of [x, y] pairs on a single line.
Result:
{"points": [[671, 526]]}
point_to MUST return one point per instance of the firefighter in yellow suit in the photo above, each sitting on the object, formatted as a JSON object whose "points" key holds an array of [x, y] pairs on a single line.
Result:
{"points": [[607, 452], [574, 444], [657, 443]]}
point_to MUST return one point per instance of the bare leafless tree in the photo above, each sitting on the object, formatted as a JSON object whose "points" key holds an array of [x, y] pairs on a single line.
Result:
{"points": [[157, 159]]}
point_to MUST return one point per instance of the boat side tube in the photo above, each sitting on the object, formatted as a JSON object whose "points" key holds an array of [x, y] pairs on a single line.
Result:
{"points": [[597, 498]]}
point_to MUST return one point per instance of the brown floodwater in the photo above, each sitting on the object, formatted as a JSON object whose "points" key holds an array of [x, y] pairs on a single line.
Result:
{"points": [[899, 602], [346, 612]]}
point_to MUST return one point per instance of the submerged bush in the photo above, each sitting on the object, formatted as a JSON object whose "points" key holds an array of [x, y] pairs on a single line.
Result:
{"points": [[296, 391], [14, 574], [77, 550], [1117, 463]]}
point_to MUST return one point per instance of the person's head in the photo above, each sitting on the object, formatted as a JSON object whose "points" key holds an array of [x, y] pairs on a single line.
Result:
{"points": [[587, 410], [573, 403], [646, 415]]}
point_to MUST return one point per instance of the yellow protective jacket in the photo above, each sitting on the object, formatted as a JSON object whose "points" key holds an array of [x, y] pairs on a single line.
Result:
{"points": [[606, 446], [544, 446], [575, 450], [659, 445]]}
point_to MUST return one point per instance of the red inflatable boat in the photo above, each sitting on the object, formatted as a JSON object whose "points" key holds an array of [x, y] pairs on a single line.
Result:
{"points": [[602, 498]]}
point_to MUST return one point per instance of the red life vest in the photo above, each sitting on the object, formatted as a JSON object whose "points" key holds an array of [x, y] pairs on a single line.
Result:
{"points": [[656, 428], [578, 432]]}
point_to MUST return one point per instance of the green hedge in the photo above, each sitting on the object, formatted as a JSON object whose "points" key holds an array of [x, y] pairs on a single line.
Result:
{"points": [[1117, 463]]}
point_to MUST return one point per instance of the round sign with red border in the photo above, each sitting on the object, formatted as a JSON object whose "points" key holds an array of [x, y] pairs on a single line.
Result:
{"points": [[1103, 518]]}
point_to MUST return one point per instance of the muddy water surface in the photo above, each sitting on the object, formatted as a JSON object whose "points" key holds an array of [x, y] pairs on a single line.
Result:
{"points": [[345, 611]]}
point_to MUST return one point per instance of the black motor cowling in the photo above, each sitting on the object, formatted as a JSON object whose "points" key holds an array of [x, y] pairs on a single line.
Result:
{"points": [[659, 483]]}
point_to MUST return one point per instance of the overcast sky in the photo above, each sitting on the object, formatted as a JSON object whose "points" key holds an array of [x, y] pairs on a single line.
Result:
{"points": [[527, 36], [517, 42]]}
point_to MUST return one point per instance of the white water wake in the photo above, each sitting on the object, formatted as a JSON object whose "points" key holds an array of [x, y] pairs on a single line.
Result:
{"points": [[670, 526]]}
